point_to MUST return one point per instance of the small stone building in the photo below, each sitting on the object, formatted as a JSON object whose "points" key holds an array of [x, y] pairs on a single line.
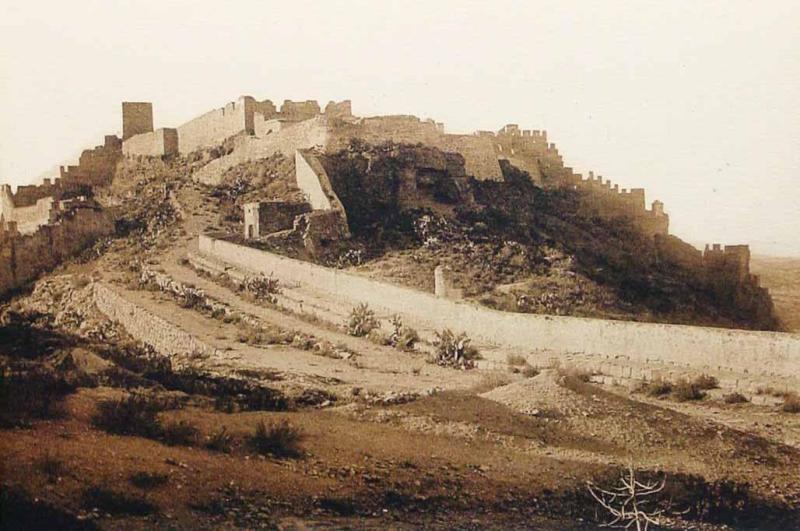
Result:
{"points": [[266, 217]]}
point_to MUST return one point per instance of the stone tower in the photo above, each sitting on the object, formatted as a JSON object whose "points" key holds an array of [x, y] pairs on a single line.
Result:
{"points": [[137, 118]]}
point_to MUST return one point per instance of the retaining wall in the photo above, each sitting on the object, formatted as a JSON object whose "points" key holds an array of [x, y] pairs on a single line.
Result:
{"points": [[705, 349], [166, 338]]}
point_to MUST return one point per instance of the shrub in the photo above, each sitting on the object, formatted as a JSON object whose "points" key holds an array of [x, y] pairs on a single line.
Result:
{"points": [[402, 337], [515, 360], [279, 439], [262, 288], [302, 341], [770, 391], [220, 441], [657, 388], [791, 403], [491, 380], [529, 371], [109, 501], [705, 381], [735, 398], [181, 433], [32, 395], [52, 467], [148, 480], [455, 350], [572, 378], [379, 337], [253, 335], [684, 390], [361, 321], [134, 414]]}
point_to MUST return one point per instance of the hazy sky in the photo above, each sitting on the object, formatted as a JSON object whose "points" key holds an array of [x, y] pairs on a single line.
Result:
{"points": [[698, 102]]}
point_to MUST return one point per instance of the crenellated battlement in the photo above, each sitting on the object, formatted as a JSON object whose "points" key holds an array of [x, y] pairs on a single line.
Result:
{"points": [[731, 262]]}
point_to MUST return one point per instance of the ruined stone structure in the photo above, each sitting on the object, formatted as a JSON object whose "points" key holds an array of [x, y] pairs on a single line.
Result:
{"points": [[245, 116], [157, 143], [319, 220], [137, 118], [301, 129], [262, 218], [23, 257], [33, 206], [46, 223], [731, 263]]}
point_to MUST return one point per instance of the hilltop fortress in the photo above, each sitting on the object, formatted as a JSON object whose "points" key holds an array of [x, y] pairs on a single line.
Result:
{"points": [[251, 129]]}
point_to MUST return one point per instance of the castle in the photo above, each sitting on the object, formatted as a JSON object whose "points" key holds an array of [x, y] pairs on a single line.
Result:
{"points": [[257, 129]]}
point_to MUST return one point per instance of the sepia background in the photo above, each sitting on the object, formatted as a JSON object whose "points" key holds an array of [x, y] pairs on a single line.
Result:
{"points": [[696, 102]]}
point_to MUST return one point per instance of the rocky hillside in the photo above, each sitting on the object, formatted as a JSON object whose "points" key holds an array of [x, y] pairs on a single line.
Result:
{"points": [[513, 245]]}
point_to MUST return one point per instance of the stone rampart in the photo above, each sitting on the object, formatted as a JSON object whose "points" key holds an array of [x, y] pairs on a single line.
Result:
{"points": [[26, 256], [287, 140], [776, 355], [212, 128], [28, 219], [154, 144]]}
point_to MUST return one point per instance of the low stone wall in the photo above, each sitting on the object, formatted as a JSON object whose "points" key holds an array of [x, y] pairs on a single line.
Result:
{"points": [[760, 354], [165, 337]]}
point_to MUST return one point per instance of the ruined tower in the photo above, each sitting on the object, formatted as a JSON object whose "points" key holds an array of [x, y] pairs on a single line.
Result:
{"points": [[137, 118]]}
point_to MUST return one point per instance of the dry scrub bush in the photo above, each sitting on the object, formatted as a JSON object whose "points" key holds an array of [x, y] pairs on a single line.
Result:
{"points": [[148, 480], [572, 377], [684, 390], [181, 433], [26, 396], [112, 502], [278, 439], [735, 398], [134, 414], [791, 403], [454, 350], [656, 388], [220, 441], [491, 380], [705, 381], [516, 360], [52, 467], [361, 321], [529, 371]]}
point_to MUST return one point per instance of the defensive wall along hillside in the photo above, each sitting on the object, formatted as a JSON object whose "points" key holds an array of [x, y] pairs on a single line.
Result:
{"points": [[740, 352]]}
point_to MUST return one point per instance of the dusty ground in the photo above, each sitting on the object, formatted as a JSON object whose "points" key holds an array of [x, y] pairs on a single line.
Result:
{"points": [[401, 443]]}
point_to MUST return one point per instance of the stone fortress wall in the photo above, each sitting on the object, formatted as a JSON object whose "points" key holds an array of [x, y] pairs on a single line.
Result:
{"points": [[41, 225], [156, 143], [260, 129], [33, 206], [750, 355], [23, 257]]}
